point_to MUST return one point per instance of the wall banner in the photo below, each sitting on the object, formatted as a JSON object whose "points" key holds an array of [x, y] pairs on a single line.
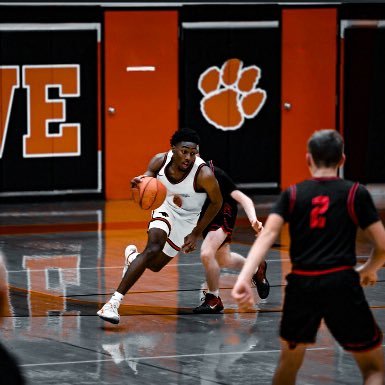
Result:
{"points": [[48, 109], [231, 97]]}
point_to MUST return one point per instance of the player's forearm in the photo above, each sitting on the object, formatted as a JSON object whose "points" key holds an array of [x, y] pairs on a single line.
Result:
{"points": [[249, 208], [376, 260], [257, 253], [150, 173], [376, 233], [210, 213], [246, 203]]}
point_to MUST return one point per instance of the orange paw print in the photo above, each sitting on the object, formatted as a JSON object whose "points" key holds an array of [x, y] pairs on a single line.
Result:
{"points": [[230, 94]]}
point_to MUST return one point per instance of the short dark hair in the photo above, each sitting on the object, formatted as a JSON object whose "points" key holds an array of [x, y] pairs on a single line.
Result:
{"points": [[326, 147], [185, 135]]}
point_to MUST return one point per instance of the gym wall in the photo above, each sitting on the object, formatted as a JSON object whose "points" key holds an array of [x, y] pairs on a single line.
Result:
{"points": [[90, 93]]}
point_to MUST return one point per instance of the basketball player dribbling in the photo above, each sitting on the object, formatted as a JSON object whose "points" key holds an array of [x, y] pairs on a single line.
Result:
{"points": [[175, 226], [323, 215]]}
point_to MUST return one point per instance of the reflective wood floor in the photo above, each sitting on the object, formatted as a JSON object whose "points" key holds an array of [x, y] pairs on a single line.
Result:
{"points": [[64, 260]]}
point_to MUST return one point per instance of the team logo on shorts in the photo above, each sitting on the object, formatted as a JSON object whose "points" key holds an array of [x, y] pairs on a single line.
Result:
{"points": [[231, 94]]}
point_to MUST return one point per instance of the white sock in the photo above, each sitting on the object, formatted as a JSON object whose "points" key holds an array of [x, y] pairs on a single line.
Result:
{"points": [[132, 257], [215, 292], [117, 297]]}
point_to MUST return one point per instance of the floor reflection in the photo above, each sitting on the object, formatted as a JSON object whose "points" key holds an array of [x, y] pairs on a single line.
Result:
{"points": [[65, 259]]}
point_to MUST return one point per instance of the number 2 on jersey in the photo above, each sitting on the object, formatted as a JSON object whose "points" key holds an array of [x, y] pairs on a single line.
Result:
{"points": [[320, 205]]}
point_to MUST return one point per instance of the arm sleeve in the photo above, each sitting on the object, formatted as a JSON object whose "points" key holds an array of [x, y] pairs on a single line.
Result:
{"points": [[364, 207], [281, 206]]}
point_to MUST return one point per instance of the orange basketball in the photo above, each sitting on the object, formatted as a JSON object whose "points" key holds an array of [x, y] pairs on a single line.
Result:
{"points": [[149, 194]]}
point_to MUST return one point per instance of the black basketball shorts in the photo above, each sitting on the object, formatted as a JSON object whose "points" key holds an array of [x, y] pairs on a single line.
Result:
{"points": [[339, 300], [225, 219]]}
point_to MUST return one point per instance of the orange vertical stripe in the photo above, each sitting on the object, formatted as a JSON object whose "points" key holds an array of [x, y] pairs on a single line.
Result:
{"points": [[141, 75], [309, 69]]}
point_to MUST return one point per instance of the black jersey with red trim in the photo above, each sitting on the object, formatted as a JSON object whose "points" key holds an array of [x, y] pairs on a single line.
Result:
{"points": [[323, 216], [227, 186]]}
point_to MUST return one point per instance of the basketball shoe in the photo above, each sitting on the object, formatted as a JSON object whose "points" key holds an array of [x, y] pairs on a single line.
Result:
{"points": [[211, 304], [130, 254], [109, 312], [260, 281]]}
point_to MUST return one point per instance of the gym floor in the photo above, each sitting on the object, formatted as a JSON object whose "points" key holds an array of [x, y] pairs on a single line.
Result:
{"points": [[64, 260]]}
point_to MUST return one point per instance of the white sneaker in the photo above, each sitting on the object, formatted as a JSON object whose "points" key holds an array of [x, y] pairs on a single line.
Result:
{"points": [[109, 312], [130, 254]]}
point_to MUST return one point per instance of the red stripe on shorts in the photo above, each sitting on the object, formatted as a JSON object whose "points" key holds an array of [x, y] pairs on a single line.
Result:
{"points": [[173, 245], [312, 273], [162, 220]]}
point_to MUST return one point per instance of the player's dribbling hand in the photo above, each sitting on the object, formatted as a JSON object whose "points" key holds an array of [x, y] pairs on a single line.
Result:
{"points": [[136, 180], [243, 294]]}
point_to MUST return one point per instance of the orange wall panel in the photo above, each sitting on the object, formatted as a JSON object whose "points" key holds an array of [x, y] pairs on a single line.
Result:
{"points": [[309, 73], [141, 86]]}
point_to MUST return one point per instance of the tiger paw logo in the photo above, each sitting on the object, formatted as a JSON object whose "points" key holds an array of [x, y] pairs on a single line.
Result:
{"points": [[231, 94]]}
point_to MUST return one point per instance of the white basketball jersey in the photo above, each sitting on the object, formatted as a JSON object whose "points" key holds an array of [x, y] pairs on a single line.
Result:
{"points": [[181, 196]]}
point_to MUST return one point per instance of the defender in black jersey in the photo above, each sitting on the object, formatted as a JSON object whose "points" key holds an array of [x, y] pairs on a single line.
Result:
{"points": [[323, 215], [215, 249]]}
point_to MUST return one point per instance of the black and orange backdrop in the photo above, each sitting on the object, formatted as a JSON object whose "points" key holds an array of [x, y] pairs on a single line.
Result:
{"points": [[90, 94], [248, 148], [49, 130], [364, 112]]}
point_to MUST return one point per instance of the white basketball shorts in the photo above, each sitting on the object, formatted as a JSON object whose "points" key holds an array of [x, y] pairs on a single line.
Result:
{"points": [[177, 226]]}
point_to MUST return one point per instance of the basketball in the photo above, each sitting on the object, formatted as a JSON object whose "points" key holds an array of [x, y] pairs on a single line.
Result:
{"points": [[149, 194]]}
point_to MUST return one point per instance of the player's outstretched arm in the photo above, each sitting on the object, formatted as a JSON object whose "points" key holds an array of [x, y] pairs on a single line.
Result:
{"points": [[368, 271], [242, 291], [248, 205]]}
